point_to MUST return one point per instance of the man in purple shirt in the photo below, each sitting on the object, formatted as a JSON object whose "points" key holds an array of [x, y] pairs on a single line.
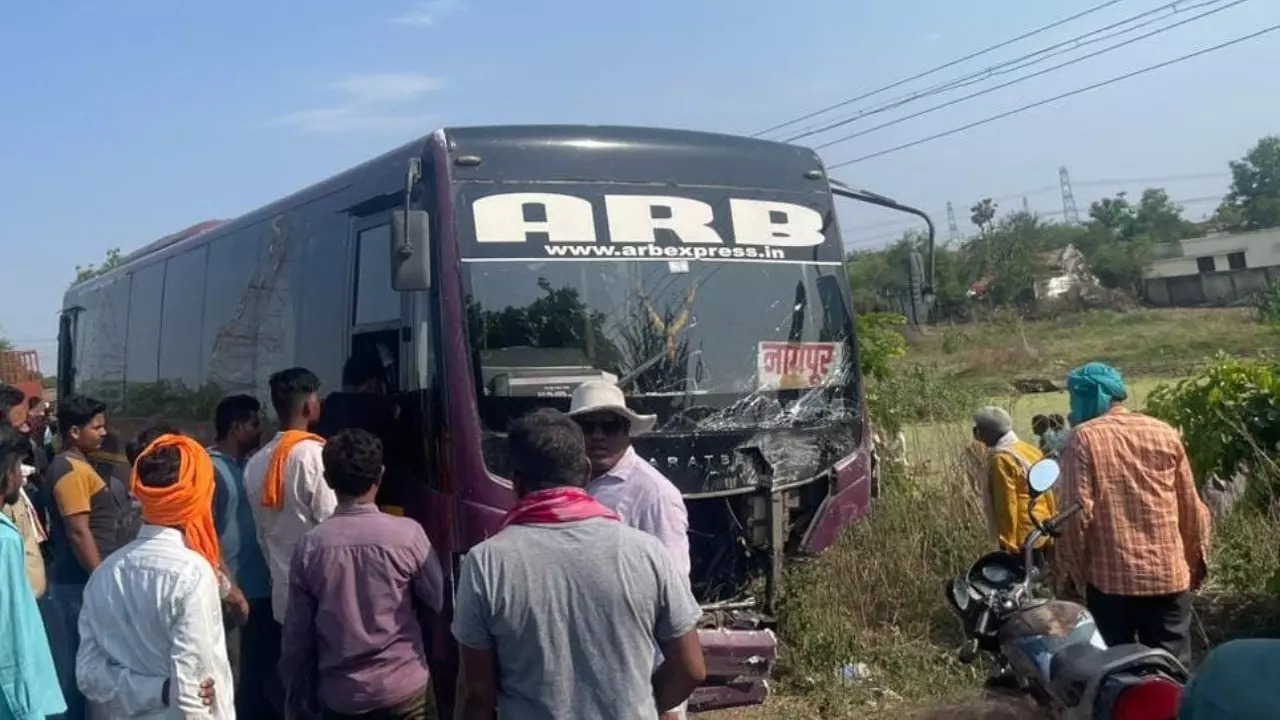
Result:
{"points": [[353, 643]]}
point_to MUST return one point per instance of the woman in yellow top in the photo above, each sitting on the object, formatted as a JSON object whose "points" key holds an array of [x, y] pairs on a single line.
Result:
{"points": [[1006, 496]]}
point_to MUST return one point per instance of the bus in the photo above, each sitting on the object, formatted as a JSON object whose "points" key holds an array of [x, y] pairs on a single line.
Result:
{"points": [[491, 270]]}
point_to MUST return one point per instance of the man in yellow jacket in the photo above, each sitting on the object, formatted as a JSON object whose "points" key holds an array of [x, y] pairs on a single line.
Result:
{"points": [[1006, 496]]}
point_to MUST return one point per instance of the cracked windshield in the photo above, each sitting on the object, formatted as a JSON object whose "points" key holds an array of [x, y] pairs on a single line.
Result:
{"points": [[696, 342]]}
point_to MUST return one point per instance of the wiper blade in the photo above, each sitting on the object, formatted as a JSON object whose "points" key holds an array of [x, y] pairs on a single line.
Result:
{"points": [[631, 376]]}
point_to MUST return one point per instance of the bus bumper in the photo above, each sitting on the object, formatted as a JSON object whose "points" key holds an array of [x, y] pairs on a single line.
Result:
{"points": [[739, 663]]}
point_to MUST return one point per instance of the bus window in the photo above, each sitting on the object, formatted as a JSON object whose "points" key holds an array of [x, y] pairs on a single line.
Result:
{"points": [[375, 301]]}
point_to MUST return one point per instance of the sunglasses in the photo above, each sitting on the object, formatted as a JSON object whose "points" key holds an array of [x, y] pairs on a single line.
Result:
{"points": [[608, 427]]}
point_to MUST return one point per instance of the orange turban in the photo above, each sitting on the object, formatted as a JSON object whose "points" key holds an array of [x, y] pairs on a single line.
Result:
{"points": [[187, 503]]}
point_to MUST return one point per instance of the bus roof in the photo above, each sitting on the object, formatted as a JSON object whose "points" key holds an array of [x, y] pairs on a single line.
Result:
{"points": [[563, 153]]}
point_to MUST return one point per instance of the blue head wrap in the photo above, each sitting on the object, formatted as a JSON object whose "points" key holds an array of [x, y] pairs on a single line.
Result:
{"points": [[1093, 388]]}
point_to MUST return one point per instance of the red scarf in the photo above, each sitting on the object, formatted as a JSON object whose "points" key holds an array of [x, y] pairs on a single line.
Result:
{"points": [[554, 506]]}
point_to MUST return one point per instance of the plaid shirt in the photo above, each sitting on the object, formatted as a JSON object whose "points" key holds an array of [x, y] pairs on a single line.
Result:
{"points": [[1142, 529]]}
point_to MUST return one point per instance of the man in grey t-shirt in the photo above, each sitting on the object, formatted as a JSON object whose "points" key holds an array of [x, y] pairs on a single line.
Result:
{"points": [[559, 614]]}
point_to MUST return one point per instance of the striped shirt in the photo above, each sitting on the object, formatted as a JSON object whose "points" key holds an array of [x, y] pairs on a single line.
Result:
{"points": [[1142, 528]]}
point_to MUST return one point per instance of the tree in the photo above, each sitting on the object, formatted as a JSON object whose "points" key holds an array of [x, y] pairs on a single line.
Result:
{"points": [[87, 272], [1113, 214], [1122, 237], [984, 214], [1159, 219], [1253, 202], [1011, 254]]}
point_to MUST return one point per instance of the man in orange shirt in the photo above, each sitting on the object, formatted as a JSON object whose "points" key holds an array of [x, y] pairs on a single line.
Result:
{"points": [[1137, 548]]}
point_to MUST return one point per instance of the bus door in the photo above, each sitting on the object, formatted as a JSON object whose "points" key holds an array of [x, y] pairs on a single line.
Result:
{"points": [[387, 326]]}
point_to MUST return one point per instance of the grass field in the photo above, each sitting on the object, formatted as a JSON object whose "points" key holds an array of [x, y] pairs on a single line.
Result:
{"points": [[1143, 343], [876, 597]]}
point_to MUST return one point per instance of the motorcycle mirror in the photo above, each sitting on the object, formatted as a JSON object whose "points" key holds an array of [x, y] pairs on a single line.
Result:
{"points": [[1043, 476]]}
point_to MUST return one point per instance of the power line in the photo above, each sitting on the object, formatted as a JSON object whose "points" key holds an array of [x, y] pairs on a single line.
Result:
{"points": [[1023, 78], [1070, 45], [926, 73], [1167, 178], [1055, 98]]}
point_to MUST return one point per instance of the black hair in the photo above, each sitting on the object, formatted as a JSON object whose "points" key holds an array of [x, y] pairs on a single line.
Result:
{"points": [[33, 401], [352, 462], [231, 410], [146, 437], [12, 449], [360, 369], [289, 388], [78, 411], [547, 450], [1040, 423], [10, 397], [159, 468], [1057, 422]]}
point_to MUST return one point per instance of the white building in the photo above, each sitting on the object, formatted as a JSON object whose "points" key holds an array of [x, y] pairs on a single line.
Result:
{"points": [[1216, 253]]}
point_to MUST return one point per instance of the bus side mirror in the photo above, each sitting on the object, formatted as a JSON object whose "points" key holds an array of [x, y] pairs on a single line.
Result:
{"points": [[410, 250]]}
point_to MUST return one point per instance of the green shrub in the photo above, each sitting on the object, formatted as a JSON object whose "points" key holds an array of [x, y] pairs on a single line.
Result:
{"points": [[1230, 420], [920, 394], [1266, 304], [880, 343], [954, 340]]}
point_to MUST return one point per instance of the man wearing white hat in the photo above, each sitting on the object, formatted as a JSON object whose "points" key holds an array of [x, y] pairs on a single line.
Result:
{"points": [[625, 482]]}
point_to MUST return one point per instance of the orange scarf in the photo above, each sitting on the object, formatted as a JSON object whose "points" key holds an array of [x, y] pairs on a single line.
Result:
{"points": [[186, 504], [273, 484]]}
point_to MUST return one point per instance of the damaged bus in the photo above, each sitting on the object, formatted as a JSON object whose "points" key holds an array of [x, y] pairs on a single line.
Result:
{"points": [[492, 269]]}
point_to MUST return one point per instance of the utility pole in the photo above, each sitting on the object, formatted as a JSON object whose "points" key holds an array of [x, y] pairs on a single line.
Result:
{"points": [[1026, 206], [1070, 215], [954, 236], [915, 274]]}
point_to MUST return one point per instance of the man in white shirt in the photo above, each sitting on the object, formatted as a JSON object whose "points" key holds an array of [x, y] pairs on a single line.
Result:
{"points": [[285, 479], [151, 636], [626, 483]]}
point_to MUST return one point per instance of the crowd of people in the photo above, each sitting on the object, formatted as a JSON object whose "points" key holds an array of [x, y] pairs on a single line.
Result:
{"points": [[1138, 548], [262, 580], [1137, 551]]}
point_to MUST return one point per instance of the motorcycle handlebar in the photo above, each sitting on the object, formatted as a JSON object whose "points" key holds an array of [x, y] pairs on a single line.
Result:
{"points": [[1053, 526]]}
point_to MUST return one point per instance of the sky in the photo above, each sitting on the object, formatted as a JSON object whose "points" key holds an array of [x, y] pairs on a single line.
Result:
{"points": [[129, 120]]}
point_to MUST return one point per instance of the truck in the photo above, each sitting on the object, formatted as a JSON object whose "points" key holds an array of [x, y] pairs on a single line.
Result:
{"points": [[21, 369]]}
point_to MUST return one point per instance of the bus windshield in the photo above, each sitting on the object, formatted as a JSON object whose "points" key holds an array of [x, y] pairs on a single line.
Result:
{"points": [[706, 345]]}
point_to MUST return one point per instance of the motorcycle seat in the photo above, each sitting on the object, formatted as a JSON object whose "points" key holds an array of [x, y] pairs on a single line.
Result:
{"points": [[1075, 666]]}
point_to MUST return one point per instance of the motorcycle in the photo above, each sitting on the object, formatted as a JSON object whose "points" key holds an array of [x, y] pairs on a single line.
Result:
{"points": [[1052, 649]]}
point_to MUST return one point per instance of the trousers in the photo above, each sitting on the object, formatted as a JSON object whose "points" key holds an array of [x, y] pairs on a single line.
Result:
{"points": [[254, 653], [1157, 621], [416, 707], [66, 601]]}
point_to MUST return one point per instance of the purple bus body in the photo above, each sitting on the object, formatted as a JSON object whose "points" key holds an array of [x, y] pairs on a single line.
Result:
{"points": [[739, 661]]}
